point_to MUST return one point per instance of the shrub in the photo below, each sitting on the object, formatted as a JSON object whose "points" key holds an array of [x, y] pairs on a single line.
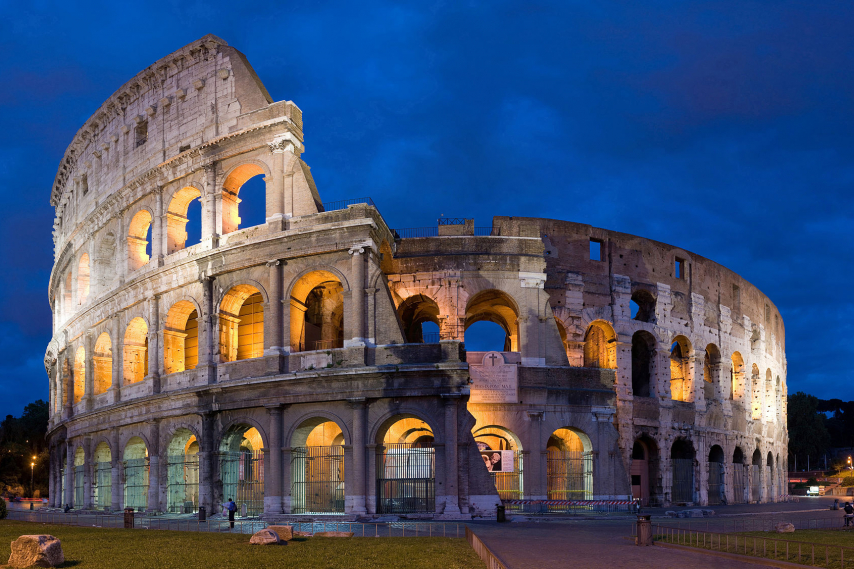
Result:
{"points": [[848, 481]]}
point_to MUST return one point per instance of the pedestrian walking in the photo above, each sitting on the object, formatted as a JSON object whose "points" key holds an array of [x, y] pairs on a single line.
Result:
{"points": [[231, 507]]}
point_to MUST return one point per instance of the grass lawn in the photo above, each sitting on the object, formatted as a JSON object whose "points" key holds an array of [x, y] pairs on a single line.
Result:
{"points": [[155, 549], [819, 548]]}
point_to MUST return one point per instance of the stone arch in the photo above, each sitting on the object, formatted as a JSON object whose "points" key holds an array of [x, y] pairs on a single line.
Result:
{"points": [[241, 425], [756, 394], [643, 358], [135, 351], [79, 374], [711, 372], [493, 442], [413, 312], [138, 239], [680, 372], [737, 377], [492, 305], [770, 476], [102, 479], [756, 476], [717, 481], [135, 459], [79, 500], [234, 180], [105, 261], [381, 425], [317, 465], [406, 465], [83, 273], [317, 310], [241, 323], [181, 337], [103, 357], [644, 470], [600, 343], [645, 303], [569, 465], [739, 476], [312, 419], [682, 456], [241, 464], [177, 216], [770, 412], [182, 471]]}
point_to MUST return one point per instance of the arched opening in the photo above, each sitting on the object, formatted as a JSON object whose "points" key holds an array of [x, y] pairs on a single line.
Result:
{"points": [[317, 468], [711, 371], [79, 477], [496, 307], [600, 346], [249, 209], [682, 465], [136, 351], [737, 377], [62, 480], [643, 471], [415, 312], [317, 312], [406, 467], [241, 324], [103, 363], [79, 374], [182, 473], [83, 278], [181, 338], [178, 219], [104, 265], [569, 465], [643, 352], [680, 378], [778, 400], [136, 470], [770, 412], [756, 394], [139, 240], [241, 467], [103, 480], [739, 478], [756, 477], [643, 306], [501, 451], [716, 488], [769, 476], [67, 296]]}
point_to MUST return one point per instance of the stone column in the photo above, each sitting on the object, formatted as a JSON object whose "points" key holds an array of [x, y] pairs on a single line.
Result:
{"points": [[273, 483], [69, 388], [452, 494], [273, 321], [371, 487], [207, 327], [535, 474], [275, 186], [206, 458], [154, 466], [356, 489], [154, 359], [210, 232], [357, 296], [69, 473], [117, 338], [115, 472], [287, 507], [157, 234], [88, 471], [89, 380]]}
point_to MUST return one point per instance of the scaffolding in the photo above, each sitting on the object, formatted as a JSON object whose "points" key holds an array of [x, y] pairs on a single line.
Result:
{"points": [[569, 475], [242, 475], [406, 477], [318, 479], [182, 494], [103, 486], [136, 473]]}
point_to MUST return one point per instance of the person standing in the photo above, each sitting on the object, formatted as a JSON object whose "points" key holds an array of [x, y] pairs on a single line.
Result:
{"points": [[231, 507], [849, 513]]}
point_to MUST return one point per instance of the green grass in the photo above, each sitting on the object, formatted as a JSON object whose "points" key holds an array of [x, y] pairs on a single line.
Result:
{"points": [[143, 549], [819, 548]]}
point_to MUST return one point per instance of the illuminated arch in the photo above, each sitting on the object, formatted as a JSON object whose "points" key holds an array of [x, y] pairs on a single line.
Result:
{"points": [[103, 357], [241, 324], [680, 374], [83, 273], [600, 343], [234, 180], [317, 311], [79, 374], [135, 348], [499, 307], [181, 337], [177, 217], [138, 239]]}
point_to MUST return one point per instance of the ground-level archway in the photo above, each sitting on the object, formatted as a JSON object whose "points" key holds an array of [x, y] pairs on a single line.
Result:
{"points": [[739, 486], [716, 484], [501, 451], [643, 471], [79, 477], [136, 471], [756, 477], [406, 467], [241, 468], [182, 473], [102, 482], [682, 465], [569, 465], [317, 468]]}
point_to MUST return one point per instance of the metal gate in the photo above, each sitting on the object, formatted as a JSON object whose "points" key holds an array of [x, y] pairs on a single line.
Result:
{"points": [[242, 475], [509, 484], [103, 489], [754, 484], [716, 482], [683, 480], [317, 480], [182, 475], [569, 475], [79, 472], [738, 484], [406, 478], [136, 483], [62, 483]]}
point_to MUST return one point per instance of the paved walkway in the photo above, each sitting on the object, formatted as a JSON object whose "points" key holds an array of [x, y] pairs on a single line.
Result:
{"points": [[587, 544]]}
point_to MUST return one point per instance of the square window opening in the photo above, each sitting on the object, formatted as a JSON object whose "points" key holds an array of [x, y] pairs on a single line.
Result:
{"points": [[595, 250], [679, 268]]}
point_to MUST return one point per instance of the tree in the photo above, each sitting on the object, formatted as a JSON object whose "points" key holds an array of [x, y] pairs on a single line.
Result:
{"points": [[808, 435], [22, 438]]}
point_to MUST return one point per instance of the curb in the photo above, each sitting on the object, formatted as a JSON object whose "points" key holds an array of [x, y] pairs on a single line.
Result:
{"points": [[734, 556]]}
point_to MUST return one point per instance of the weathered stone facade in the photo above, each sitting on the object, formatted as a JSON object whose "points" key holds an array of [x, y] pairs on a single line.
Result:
{"points": [[284, 364]]}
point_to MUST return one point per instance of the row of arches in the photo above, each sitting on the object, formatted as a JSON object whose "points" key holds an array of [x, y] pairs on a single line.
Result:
{"points": [[724, 479]]}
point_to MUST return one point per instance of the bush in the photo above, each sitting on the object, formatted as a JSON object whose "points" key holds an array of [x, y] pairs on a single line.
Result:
{"points": [[848, 481], [3, 511]]}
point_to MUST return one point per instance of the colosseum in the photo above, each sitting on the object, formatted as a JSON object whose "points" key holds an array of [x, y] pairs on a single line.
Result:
{"points": [[315, 364]]}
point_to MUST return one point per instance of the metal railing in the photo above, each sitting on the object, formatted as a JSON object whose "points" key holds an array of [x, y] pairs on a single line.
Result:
{"points": [[754, 523], [570, 507], [430, 338], [221, 525], [342, 204], [801, 552], [416, 232], [452, 221], [482, 551]]}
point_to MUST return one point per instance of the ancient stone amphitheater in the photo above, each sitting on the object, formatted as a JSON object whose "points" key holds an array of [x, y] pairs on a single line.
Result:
{"points": [[315, 364]]}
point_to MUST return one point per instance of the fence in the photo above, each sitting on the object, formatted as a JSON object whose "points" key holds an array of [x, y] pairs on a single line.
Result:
{"points": [[406, 478], [416, 232], [492, 562], [569, 475], [318, 479], [219, 525], [817, 555], [570, 506]]}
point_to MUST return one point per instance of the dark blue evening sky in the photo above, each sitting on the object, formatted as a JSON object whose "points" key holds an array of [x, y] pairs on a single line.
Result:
{"points": [[724, 127]]}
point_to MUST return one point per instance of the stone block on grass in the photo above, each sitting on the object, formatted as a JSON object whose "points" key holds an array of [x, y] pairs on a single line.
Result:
{"points": [[36, 551], [334, 534], [266, 537], [285, 533]]}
